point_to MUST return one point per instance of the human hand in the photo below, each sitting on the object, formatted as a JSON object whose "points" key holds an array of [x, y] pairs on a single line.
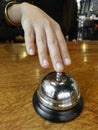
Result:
{"points": [[39, 27]]}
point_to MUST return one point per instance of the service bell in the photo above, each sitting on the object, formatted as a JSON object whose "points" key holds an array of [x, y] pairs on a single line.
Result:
{"points": [[58, 98]]}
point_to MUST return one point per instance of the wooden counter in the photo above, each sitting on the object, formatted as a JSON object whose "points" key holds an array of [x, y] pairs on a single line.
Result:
{"points": [[20, 75]]}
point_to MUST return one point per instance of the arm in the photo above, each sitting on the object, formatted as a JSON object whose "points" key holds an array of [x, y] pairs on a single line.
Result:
{"points": [[7, 32], [39, 27]]}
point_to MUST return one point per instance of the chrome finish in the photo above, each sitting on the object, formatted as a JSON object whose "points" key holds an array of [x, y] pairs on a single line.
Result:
{"points": [[58, 76], [58, 91]]}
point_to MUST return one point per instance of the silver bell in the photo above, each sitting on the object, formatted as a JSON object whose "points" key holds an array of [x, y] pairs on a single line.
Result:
{"points": [[58, 98]]}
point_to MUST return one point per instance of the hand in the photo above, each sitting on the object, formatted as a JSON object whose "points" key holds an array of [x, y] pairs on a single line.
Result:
{"points": [[39, 27]]}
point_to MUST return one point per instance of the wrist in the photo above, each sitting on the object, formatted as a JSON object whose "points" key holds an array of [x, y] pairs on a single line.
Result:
{"points": [[25, 6], [8, 14], [11, 17], [26, 10]]}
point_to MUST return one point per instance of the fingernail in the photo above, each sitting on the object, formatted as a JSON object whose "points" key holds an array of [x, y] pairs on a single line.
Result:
{"points": [[31, 51], [59, 66], [45, 62], [67, 61]]}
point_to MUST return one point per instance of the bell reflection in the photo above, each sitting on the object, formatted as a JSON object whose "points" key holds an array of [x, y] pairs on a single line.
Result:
{"points": [[84, 47], [18, 51], [85, 59]]}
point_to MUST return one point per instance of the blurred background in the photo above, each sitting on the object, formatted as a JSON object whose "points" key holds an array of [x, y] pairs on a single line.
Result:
{"points": [[87, 19]]}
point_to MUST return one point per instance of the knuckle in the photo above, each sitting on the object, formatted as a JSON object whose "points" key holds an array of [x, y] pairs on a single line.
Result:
{"points": [[29, 35], [53, 42], [58, 26], [42, 54], [47, 22], [40, 41]]}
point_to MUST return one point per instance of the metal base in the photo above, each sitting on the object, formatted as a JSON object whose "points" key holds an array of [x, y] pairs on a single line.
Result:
{"points": [[55, 115]]}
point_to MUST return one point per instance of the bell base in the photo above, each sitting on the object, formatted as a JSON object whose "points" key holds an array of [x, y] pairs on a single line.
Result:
{"points": [[57, 116]]}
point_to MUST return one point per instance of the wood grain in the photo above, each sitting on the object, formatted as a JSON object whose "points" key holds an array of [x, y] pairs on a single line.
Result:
{"points": [[21, 74]]}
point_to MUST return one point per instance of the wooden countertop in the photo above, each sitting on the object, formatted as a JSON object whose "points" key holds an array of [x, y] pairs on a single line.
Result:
{"points": [[20, 76]]}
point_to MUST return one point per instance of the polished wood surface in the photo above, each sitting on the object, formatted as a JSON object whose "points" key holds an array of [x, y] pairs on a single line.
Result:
{"points": [[21, 74]]}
